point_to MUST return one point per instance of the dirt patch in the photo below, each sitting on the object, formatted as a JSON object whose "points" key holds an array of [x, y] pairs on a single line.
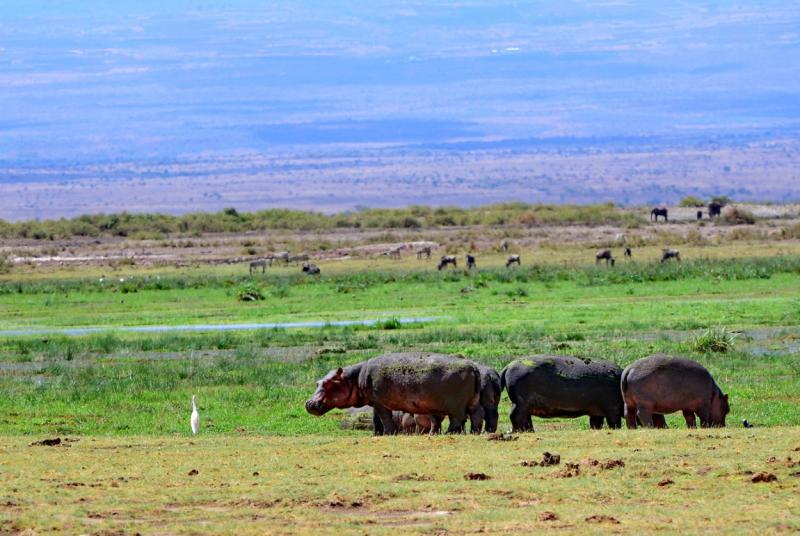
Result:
{"points": [[665, 482], [605, 464], [501, 437], [602, 519], [570, 470], [547, 460], [412, 476], [548, 516], [56, 441], [476, 476], [763, 476]]}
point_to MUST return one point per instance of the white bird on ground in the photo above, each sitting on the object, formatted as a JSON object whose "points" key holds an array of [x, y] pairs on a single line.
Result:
{"points": [[195, 418]]}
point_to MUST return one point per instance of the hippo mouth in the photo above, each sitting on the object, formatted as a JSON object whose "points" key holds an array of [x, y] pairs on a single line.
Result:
{"points": [[316, 407]]}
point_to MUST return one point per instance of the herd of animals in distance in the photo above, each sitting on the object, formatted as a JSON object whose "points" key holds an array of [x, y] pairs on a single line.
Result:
{"points": [[414, 392]]}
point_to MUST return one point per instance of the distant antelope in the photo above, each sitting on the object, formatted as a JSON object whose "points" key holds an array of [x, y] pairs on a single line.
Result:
{"points": [[260, 263], [471, 262], [668, 253], [447, 259], [659, 211], [513, 259], [425, 251], [394, 253], [604, 255], [298, 258]]}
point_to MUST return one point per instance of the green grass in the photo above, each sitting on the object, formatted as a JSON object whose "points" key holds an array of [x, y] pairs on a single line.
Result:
{"points": [[675, 481]]}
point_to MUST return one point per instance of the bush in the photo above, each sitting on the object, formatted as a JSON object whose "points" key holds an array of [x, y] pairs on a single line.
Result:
{"points": [[249, 293], [5, 264], [738, 216], [389, 323], [692, 201], [718, 340]]}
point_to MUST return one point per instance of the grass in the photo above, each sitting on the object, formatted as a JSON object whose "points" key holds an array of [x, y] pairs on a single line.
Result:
{"points": [[677, 481]]}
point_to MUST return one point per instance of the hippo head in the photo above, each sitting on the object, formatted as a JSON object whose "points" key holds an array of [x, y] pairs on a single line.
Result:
{"points": [[335, 390], [719, 408]]}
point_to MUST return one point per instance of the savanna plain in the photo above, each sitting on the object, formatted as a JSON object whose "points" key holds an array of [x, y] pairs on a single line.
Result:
{"points": [[94, 426]]}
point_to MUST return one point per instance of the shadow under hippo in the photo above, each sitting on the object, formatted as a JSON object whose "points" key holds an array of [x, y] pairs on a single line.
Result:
{"points": [[660, 384], [563, 386], [413, 382]]}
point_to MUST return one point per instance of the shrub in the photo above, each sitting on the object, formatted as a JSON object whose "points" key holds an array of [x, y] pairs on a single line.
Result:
{"points": [[738, 216], [249, 293], [5, 263], [389, 323], [718, 340], [692, 201]]}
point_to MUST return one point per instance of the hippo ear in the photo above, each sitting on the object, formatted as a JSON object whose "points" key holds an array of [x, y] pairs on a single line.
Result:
{"points": [[339, 372]]}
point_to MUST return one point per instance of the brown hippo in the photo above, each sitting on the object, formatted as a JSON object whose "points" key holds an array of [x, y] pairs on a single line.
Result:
{"points": [[562, 386], [662, 384], [413, 382]]}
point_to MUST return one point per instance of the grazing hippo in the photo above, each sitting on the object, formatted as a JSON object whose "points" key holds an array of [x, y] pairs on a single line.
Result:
{"points": [[562, 386], [447, 259], [662, 384], [471, 262], [413, 382], [668, 253], [513, 259], [491, 388], [604, 255]]}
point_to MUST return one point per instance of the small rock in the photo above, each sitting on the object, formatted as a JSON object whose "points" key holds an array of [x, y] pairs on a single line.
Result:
{"points": [[501, 437]]}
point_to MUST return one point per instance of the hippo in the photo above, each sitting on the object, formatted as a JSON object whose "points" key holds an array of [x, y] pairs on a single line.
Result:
{"points": [[413, 382], [661, 384], [562, 386], [486, 410]]}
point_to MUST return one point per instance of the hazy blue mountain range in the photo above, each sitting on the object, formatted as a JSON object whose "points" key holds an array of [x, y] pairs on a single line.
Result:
{"points": [[88, 82]]}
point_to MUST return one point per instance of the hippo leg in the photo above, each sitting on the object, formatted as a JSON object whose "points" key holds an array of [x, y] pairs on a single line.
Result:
{"points": [[491, 418], [630, 416], [457, 424], [690, 420], [595, 423], [385, 417], [659, 421], [705, 417], [476, 420], [645, 416], [521, 419], [436, 425], [377, 425], [614, 421]]}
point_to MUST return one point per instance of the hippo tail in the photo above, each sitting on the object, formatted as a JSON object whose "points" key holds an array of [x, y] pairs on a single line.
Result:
{"points": [[623, 382], [503, 379]]}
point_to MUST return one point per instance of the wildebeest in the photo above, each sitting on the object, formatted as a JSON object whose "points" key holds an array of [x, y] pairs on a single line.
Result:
{"points": [[311, 269], [699, 214], [414, 382], [668, 253], [447, 259], [662, 384], [425, 251], [513, 259], [628, 252], [562, 386], [471, 262], [281, 256], [298, 258], [260, 263], [714, 209], [659, 211], [504, 245], [394, 253], [604, 255], [619, 238]]}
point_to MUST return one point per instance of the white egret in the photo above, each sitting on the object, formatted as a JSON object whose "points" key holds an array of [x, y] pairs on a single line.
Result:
{"points": [[195, 418]]}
